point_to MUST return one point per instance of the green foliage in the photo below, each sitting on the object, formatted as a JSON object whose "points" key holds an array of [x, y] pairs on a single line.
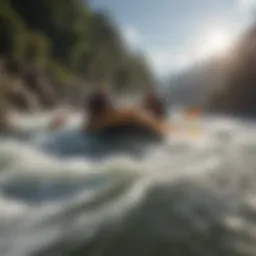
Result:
{"points": [[12, 34], [138, 74], [37, 48], [59, 73], [79, 55], [4, 4], [70, 41]]}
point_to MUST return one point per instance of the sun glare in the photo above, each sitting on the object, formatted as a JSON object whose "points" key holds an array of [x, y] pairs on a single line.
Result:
{"points": [[219, 41], [216, 42]]}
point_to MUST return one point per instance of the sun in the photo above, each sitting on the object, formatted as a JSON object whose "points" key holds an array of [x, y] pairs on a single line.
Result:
{"points": [[218, 41]]}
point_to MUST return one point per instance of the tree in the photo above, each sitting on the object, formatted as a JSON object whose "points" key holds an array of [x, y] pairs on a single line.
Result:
{"points": [[12, 34]]}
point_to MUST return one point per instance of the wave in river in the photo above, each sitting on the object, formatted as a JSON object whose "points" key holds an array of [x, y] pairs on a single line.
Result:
{"points": [[185, 196]]}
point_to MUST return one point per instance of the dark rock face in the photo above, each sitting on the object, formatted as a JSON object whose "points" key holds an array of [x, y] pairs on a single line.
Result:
{"points": [[40, 83]]}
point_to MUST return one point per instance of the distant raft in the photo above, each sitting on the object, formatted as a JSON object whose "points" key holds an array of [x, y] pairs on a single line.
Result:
{"points": [[191, 113], [128, 121]]}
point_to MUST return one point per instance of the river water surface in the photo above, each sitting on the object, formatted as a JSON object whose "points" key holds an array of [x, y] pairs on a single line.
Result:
{"points": [[68, 193]]}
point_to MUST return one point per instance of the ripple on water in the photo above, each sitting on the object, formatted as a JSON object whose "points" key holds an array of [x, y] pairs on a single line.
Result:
{"points": [[184, 197]]}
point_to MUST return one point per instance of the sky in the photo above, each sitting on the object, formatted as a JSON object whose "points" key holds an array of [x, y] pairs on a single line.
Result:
{"points": [[174, 34]]}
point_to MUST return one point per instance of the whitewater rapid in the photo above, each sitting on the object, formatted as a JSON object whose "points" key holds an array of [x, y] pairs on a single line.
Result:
{"points": [[64, 193]]}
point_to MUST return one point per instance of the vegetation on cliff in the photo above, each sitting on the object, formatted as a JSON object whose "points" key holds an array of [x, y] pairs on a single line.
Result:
{"points": [[59, 50]]}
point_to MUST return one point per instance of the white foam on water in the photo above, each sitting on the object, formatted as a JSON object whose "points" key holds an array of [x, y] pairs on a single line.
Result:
{"points": [[198, 180], [11, 208]]}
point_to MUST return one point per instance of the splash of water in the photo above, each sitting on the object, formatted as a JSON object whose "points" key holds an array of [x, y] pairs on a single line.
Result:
{"points": [[186, 196]]}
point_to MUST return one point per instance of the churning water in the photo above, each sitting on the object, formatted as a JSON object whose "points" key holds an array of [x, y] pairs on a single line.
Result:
{"points": [[67, 193]]}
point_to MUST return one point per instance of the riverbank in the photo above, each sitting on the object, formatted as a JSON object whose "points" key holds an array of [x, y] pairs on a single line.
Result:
{"points": [[28, 91]]}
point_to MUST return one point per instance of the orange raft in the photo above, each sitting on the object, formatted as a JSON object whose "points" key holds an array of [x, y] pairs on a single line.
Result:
{"points": [[117, 120], [192, 113]]}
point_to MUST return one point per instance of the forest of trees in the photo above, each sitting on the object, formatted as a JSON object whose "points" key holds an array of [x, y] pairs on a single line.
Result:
{"points": [[63, 48]]}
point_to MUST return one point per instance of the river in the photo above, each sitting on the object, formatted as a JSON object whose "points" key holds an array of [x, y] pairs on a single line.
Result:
{"points": [[66, 193]]}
